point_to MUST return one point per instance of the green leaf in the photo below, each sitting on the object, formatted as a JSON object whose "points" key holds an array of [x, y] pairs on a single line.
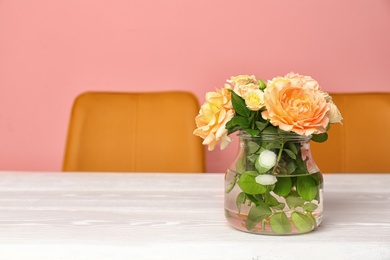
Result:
{"points": [[274, 145], [257, 214], [280, 206], [282, 171], [241, 198], [319, 138], [290, 167], [261, 125], [293, 201], [301, 165], [231, 129], [240, 166], [312, 218], [290, 154], [310, 207], [249, 185], [283, 186], [240, 121], [270, 130], [253, 146], [252, 132], [239, 105], [270, 200], [252, 158], [292, 147], [229, 124], [280, 224], [302, 222], [307, 188]]}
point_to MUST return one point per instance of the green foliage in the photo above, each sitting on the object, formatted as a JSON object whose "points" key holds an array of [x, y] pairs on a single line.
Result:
{"points": [[320, 138], [310, 207], [257, 214], [253, 123], [249, 185], [302, 222], [280, 224], [241, 198], [297, 192], [293, 201], [253, 147], [239, 105], [240, 165], [307, 187], [261, 125], [283, 186], [270, 200], [245, 119], [295, 195], [290, 153]]}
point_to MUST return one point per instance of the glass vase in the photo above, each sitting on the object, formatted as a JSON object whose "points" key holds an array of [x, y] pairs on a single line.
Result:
{"points": [[273, 186]]}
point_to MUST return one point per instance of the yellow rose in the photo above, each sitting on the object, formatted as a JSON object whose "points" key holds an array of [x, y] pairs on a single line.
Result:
{"points": [[243, 90], [254, 99], [212, 118], [242, 80], [295, 103]]}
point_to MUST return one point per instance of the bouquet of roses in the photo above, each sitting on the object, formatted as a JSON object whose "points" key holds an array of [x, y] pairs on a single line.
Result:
{"points": [[293, 103]]}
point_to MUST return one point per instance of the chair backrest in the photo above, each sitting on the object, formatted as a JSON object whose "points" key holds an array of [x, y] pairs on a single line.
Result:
{"points": [[362, 143], [134, 132]]}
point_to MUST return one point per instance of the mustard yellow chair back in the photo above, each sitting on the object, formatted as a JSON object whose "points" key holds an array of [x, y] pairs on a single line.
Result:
{"points": [[362, 143], [134, 132]]}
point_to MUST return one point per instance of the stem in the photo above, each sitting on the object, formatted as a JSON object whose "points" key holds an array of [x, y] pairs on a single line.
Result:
{"points": [[278, 159], [254, 119], [263, 224]]}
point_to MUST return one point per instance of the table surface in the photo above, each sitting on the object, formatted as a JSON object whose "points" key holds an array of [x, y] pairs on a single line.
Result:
{"points": [[56, 215]]}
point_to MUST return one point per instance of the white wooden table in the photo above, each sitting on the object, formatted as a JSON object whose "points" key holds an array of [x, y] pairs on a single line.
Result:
{"points": [[49, 215]]}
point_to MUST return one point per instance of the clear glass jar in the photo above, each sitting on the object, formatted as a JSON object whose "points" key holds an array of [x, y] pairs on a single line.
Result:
{"points": [[273, 186]]}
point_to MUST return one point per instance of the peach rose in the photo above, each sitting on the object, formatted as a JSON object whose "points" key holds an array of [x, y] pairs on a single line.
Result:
{"points": [[212, 118], [295, 103], [254, 99], [304, 81]]}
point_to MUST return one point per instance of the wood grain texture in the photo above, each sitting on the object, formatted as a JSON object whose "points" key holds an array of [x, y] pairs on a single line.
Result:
{"points": [[53, 215]]}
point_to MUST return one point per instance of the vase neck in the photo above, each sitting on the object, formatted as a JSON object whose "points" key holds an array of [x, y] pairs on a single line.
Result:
{"points": [[267, 137]]}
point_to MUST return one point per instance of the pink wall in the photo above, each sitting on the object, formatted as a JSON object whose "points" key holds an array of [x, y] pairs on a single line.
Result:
{"points": [[52, 50]]}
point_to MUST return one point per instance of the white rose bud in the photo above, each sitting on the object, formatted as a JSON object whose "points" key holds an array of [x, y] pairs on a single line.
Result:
{"points": [[267, 159], [334, 114], [266, 179]]}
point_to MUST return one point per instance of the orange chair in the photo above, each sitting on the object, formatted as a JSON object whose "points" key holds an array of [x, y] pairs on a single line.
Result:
{"points": [[134, 132], [362, 143]]}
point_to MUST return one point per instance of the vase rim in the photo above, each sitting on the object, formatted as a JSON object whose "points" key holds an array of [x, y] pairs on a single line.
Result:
{"points": [[288, 135]]}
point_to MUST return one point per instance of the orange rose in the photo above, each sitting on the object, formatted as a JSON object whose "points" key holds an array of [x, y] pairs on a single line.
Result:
{"points": [[212, 118], [295, 103]]}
